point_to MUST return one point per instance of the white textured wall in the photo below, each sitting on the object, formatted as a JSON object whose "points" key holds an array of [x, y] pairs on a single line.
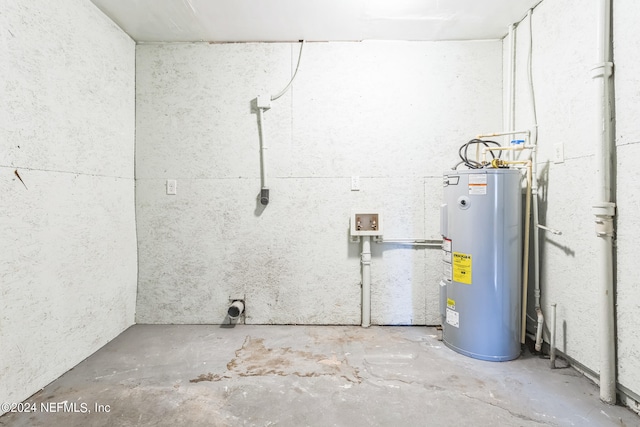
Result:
{"points": [[392, 113], [68, 259], [563, 53], [627, 87], [564, 37]]}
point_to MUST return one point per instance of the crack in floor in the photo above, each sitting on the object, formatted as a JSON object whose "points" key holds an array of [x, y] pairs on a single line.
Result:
{"points": [[513, 414], [368, 368]]}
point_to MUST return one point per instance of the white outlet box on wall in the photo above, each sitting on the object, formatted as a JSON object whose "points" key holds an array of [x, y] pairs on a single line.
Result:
{"points": [[366, 223]]}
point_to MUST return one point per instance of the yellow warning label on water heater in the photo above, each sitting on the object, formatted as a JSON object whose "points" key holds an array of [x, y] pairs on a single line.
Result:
{"points": [[462, 268]]}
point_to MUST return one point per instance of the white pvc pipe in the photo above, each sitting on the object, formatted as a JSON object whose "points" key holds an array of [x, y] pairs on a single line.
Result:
{"points": [[235, 309], [604, 209], [511, 76], [536, 249], [525, 268], [366, 281], [534, 193], [414, 242], [263, 150], [540, 325], [514, 132], [552, 350]]}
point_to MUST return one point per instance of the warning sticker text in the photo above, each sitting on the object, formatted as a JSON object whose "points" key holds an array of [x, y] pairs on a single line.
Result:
{"points": [[462, 267], [453, 318], [478, 184]]}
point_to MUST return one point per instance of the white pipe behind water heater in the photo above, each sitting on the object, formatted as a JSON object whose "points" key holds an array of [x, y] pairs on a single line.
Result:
{"points": [[511, 85], [534, 192]]}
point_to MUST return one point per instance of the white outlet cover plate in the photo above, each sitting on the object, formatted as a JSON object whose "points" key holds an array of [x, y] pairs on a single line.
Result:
{"points": [[558, 152], [172, 187], [355, 183]]}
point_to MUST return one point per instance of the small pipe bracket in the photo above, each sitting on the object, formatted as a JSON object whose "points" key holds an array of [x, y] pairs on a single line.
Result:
{"points": [[604, 69], [604, 227], [365, 258], [604, 213]]}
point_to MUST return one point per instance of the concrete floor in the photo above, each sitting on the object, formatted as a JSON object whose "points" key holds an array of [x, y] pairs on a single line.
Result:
{"points": [[311, 375]]}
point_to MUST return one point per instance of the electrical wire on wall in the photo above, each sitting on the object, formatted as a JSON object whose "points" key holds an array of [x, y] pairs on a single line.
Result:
{"points": [[263, 103], [463, 152], [295, 73]]}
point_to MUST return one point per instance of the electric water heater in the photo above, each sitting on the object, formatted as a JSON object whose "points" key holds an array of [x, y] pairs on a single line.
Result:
{"points": [[480, 293]]}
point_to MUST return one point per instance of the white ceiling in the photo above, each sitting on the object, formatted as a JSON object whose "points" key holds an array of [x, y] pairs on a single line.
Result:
{"points": [[313, 20]]}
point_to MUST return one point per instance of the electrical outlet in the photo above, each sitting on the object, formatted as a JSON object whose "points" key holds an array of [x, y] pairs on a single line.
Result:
{"points": [[558, 153], [355, 183], [172, 187]]}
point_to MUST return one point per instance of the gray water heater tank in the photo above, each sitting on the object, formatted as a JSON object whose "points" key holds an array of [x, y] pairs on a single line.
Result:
{"points": [[480, 293]]}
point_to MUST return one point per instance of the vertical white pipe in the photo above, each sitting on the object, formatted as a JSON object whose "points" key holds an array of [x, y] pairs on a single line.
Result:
{"points": [[263, 152], [525, 256], [366, 281], [552, 350], [607, 330], [602, 72], [604, 209], [536, 256], [511, 85], [536, 246], [534, 192]]}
